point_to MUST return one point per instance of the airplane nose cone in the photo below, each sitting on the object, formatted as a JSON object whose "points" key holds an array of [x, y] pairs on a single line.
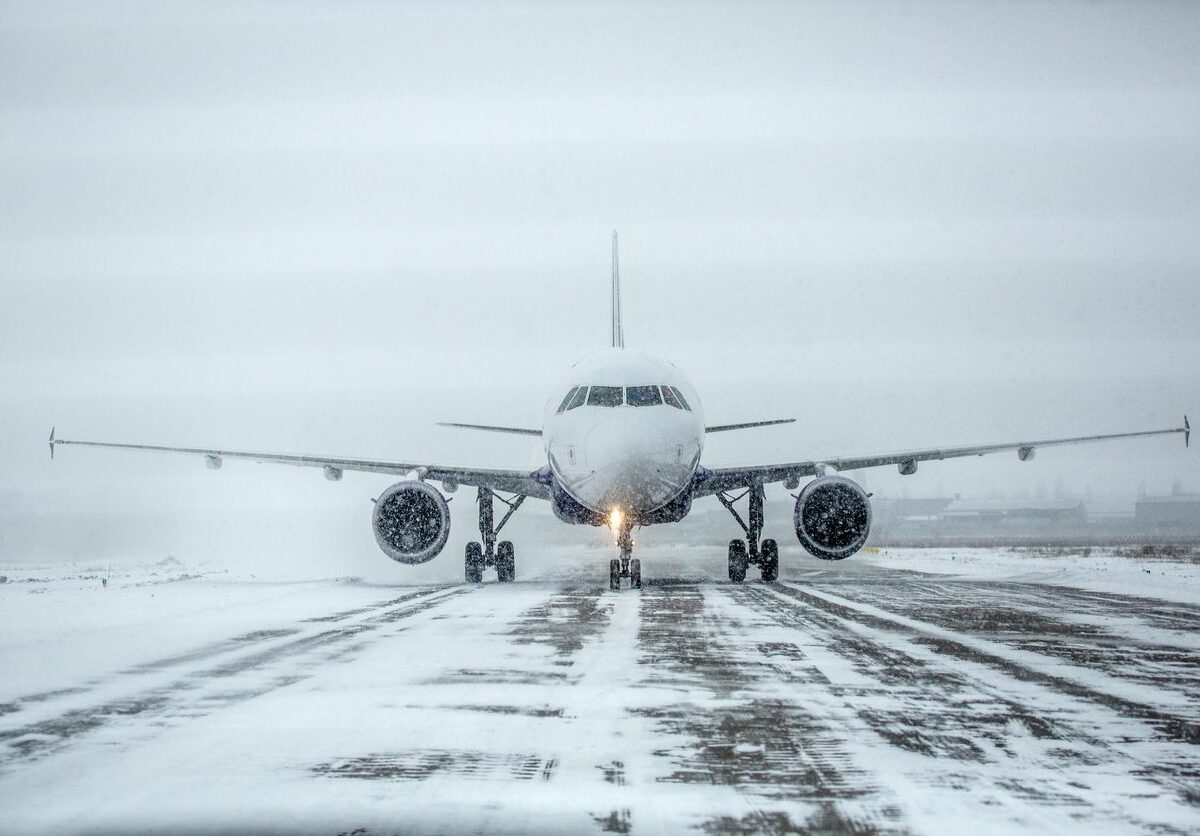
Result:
{"points": [[618, 440], [633, 465]]}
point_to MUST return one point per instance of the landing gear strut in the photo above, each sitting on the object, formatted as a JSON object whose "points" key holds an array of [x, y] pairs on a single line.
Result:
{"points": [[502, 555], [742, 553], [626, 566]]}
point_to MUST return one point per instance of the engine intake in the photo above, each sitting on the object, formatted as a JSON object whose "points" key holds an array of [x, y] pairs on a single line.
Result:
{"points": [[411, 522], [832, 518]]}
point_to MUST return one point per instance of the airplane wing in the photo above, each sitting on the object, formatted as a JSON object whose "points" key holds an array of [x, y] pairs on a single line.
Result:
{"points": [[720, 428], [490, 428], [509, 481], [729, 478]]}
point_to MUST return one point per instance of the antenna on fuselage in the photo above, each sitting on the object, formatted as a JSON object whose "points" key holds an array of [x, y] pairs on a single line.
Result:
{"points": [[618, 334]]}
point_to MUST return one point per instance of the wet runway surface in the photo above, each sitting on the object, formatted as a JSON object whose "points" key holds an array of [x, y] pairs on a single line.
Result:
{"points": [[843, 702]]}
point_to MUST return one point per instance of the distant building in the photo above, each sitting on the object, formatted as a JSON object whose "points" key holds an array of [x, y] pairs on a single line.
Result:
{"points": [[1110, 511], [1178, 512], [986, 522], [993, 512]]}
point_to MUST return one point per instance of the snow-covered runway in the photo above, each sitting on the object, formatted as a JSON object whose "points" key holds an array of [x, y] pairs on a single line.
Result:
{"points": [[857, 697]]}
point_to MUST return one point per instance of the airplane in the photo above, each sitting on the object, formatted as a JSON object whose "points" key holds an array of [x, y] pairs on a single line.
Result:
{"points": [[623, 434]]}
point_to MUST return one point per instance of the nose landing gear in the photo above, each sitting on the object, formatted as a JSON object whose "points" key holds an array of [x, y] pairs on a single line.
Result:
{"points": [[742, 553], [626, 566], [502, 555]]}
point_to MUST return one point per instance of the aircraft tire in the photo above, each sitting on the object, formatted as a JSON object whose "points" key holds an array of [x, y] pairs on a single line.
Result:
{"points": [[506, 562], [614, 575], [738, 561], [474, 562], [769, 560], [635, 574]]}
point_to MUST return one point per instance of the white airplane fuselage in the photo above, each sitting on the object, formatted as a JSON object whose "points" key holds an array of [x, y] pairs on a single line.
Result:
{"points": [[630, 445]]}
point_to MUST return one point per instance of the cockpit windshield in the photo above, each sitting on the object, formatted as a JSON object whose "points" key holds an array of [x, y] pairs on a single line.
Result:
{"points": [[566, 400], [680, 397], [605, 396], [642, 396], [580, 397], [673, 397], [649, 395]]}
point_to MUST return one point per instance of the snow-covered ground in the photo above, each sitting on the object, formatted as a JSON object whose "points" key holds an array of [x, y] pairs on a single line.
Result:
{"points": [[1131, 570], [904, 690]]}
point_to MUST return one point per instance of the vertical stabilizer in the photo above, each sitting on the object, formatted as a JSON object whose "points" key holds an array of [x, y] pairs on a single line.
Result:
{"points": [[618, 334]]}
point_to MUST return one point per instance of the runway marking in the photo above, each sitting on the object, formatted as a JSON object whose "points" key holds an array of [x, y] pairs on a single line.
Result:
{"points": [[423, 764]]}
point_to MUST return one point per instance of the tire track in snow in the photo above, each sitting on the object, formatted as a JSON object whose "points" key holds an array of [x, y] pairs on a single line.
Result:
{"points": [[732, 727], [1089, 633], [236, 644], [535, 698], [1011, 740], [200, 692], [1101, 686]]}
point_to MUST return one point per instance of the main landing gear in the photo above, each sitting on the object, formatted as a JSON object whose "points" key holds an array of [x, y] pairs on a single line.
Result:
{"points": [[626, 566], [502, 555], [744, 552]]}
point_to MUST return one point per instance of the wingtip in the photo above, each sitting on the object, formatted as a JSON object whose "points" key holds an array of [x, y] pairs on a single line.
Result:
{"points": [[52, 443], [1187, 432]]}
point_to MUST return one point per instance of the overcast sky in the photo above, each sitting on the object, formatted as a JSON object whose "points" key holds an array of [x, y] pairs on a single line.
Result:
{"points": [[323, 227]]}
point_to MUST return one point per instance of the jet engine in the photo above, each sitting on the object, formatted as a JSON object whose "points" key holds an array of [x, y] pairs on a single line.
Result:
{"points": [[411, 522], [832, 518]]}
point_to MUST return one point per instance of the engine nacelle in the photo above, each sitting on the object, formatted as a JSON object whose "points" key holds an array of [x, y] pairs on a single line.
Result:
{"points": [[832, 517], [411, 522]]}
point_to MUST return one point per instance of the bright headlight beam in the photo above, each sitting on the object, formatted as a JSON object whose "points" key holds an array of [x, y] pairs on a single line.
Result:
{"points": [[614, 519]]}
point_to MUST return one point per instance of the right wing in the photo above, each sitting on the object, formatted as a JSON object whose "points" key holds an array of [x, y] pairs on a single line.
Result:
{"points": [[509, 481], [720, 428], [730, 478]]}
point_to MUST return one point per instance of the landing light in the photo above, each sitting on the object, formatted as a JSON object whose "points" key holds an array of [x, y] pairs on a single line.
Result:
{"points": [[614, 519]]}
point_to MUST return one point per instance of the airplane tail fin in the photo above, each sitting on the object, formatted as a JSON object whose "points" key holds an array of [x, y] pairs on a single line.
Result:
{"points": [[618, 333]]}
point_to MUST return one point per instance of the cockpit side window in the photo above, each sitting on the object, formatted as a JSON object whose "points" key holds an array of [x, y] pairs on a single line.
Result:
{"points": [[642, 396], [682, 399], [562, 406], [605, 396], [580, 396], [670, 398]]}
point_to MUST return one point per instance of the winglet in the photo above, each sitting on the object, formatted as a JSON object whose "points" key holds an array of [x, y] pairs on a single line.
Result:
{"points": [[1187, 432], [52, 443], [618, 334]]}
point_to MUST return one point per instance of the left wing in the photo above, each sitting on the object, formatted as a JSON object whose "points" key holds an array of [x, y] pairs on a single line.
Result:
{"points": [[509, 481], [490, 428], [728, 478]]}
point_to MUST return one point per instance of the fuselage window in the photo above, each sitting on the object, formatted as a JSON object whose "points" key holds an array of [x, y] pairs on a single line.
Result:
{"points": [[670, 398], [682, 399], [580, 396], [642, 396], [605, 396], [562, 406]]}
